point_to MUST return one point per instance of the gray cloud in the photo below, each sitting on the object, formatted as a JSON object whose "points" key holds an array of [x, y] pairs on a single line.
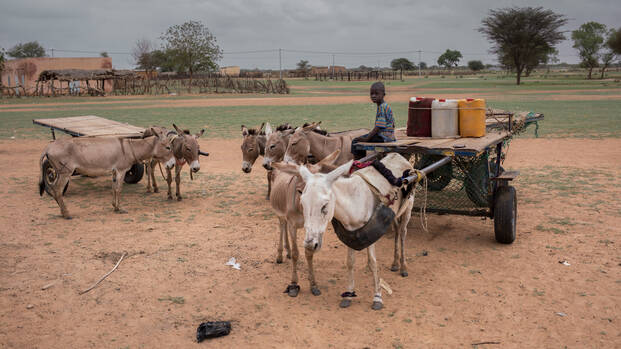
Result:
{"points": [[348, 27]]}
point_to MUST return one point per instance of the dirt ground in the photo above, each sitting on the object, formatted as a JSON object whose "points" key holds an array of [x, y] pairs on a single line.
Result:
{"points": [[466, 289]]}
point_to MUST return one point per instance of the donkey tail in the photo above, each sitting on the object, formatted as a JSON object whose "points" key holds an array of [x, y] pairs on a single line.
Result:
{"points": [[41, 174]]}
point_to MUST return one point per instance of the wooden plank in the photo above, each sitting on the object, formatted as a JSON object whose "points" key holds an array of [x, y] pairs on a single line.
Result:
{"points": [[91, 125], [507, 176]]}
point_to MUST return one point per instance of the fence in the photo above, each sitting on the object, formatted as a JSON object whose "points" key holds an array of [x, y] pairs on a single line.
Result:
{"points": [[360, 75]]}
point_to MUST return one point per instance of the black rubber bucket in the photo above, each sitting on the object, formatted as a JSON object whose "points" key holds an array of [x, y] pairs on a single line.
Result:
{"points": [[366, 236]]}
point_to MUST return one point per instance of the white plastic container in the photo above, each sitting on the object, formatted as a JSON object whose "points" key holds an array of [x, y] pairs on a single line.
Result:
{"points": [[444, 118]]}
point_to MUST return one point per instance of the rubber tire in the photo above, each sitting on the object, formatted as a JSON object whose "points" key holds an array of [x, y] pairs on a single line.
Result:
{"points": [[441, 177], [135, 173], [505, 214], [45, 167]]}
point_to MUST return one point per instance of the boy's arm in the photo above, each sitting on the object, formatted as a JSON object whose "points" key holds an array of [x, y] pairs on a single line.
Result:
{"points": [[370, 135]]}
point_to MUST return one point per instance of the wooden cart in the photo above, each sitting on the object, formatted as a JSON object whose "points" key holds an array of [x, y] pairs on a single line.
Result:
{"points": [[95, 126], [464, 175]]}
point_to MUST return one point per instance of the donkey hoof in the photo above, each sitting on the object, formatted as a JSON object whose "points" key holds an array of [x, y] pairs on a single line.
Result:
{"points": [[345, 303], [315, 291], [120, 211], [404, 273], [394, 267], [169, 198], [179, 198], [288, 256], [279, 260], [67, 217], [293, 290], [377, 305]]}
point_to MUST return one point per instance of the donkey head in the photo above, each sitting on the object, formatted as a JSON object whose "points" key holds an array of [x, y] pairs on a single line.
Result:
{"points": [[299, 145], [276, 144], [162, 151], [187, 148], [250, 147]]}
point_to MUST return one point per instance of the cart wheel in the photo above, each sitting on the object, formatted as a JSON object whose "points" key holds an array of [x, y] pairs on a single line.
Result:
{"points": [[49, 177], [441, 177], [505, 214], [134, 175]]}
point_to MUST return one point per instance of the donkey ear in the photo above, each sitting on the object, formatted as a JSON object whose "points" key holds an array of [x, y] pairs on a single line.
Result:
{"points": [[180, 132], [329, 160], [311, 126], [244, 130], [305, 173], [260, 128], [268, 129], [340, 171], [198, 135]]}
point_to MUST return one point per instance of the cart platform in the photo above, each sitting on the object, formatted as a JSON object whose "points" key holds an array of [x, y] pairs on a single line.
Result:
{"points": [[90, 126]]}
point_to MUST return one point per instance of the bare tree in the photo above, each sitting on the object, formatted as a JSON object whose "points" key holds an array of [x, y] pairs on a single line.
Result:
{"points": [[143, 56]]}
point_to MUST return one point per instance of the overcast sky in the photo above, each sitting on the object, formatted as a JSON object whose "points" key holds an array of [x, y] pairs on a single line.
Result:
{"points": [[358, 32]]}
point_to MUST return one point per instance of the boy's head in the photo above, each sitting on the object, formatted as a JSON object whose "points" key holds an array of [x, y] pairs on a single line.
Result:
{"points": [[377, 93]]}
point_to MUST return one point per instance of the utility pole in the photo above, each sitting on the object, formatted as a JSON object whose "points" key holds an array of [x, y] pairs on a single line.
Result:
{"points": [[333, 66], [52, 52], [280, 62], [419, 60]]}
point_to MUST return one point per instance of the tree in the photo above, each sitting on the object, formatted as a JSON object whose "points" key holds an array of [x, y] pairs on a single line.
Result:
{"points": [[519, 33], [2, 59], [614, 41], [104, 54], [401, 64], [303, 65], [476, 65], [609, 53], [422, 65], [27, 50], [589, 40], [450, 58], [193, 46]]}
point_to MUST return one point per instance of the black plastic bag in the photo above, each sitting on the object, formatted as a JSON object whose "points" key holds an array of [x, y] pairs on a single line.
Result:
{"points": [[212, 329]]}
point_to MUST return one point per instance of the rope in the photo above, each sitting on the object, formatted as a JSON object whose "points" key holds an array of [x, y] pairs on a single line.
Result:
{"points": [[162, 172], [423, 208]]}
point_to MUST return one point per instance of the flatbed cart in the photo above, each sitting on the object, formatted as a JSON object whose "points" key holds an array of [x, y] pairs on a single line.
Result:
{"points": [[465, 175], [95, 126]]}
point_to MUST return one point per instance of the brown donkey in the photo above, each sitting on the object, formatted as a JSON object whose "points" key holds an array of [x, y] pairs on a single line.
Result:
{"points": [[304, 141], [150, 164], [185, 149], [285, 200], [252, 146], [276, 144], [96, 156]]}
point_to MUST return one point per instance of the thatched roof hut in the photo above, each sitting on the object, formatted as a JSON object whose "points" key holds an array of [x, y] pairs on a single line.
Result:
{"points": [[80, 74]]}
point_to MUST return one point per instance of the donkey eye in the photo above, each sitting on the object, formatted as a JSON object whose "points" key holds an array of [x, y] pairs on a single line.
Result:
{"points": [[167, 147], [324, 209], [272, 146], [294, 143]]}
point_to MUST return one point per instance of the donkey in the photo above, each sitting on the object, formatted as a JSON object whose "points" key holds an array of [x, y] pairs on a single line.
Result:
{"points": [[285, 200], [96, 156], [252, 146], [350, 201], [304, 141], [185, 148], [150, 164], [276, 144]]}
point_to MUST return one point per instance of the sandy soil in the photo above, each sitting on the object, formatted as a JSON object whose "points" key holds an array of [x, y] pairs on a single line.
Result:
{"points": [[467, 290]]}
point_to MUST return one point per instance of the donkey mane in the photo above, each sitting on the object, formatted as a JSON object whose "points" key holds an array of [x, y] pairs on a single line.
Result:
{"points": [[252, 131], [284, 127], [317, 130]]}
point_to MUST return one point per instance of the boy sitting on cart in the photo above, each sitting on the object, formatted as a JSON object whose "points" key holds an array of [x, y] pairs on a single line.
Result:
{"points": [[384, 129]]}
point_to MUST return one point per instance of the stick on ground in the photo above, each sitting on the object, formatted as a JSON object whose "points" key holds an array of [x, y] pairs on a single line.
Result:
{"points": [[105, 276]]}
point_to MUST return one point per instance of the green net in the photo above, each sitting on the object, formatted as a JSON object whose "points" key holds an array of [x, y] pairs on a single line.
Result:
{"points": [[463, 185]]}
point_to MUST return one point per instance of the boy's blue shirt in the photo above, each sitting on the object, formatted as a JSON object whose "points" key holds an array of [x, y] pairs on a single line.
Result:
{"points": [[385, 122]]}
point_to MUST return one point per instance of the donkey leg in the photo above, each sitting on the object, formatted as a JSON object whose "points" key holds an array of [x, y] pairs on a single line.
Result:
{"points": [[169, 182], [311, 272], [178, 182], [395, 261], [403, 232], [57, 194], [377, 296], [117, 185], [148, 169], [349, 294], [282, 224], [152, 165], [293, 289], [269, 184]]}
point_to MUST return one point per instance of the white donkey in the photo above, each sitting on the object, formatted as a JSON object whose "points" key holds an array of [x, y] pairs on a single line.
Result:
{"points": [[350, 201]]}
